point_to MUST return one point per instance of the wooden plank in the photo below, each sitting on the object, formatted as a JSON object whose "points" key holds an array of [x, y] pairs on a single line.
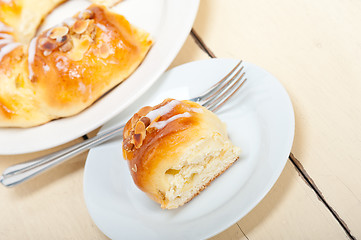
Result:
{"points": [[313, 48], [50, 206], [290, 210]]}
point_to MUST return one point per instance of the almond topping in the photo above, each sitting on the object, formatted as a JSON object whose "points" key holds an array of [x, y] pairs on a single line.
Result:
{"points": [[80, 47], [80, 26], [91, 30], [134, 169], [140, 128], [127, 144], [67, 46], [58, 32], [63, 39], [134, 119], [128, 133], [145, 120], [86, 14], [46, 44], [151, 129], [138, 140]]}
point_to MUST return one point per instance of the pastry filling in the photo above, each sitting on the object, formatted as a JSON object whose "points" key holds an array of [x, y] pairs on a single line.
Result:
{"points": [[198, 168]]}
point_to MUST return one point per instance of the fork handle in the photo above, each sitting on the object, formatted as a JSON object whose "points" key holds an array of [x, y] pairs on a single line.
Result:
{"points": [[24, 171]]}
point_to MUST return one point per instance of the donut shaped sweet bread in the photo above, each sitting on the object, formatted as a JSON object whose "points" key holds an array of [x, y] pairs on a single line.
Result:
{"points": [[65, 69], [176, 149]]}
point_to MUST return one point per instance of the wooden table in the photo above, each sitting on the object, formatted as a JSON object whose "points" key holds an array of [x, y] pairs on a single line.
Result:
{"points": [[314, 49]]}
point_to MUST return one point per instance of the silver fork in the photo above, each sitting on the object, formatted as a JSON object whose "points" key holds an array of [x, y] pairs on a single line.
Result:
{"points": [[212, 99]]}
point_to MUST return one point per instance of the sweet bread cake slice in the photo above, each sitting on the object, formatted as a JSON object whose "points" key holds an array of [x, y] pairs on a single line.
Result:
{"points": [[175, 150]]}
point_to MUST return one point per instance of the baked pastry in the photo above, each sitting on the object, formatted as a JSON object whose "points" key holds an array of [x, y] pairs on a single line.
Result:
{"points": [[175, 149], [65, 69]]}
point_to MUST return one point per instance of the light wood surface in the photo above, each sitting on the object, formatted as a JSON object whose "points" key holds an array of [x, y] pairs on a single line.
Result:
{"points": [[314, 49]]}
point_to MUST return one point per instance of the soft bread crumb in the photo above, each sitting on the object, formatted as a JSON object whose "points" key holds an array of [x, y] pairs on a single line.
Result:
{"points": [[201, 165]]}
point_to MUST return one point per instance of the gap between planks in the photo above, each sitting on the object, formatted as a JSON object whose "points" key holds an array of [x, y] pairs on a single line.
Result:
{"points": [[307, 178], [297, 164], [242, 231]]}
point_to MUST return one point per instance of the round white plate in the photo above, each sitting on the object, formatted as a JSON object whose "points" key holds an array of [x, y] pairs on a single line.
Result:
{"points": [[260, 120], [169, 23]]}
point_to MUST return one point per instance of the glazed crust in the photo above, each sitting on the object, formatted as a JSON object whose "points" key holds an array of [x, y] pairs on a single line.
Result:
{"points": [[157, 142], [66, 68], [105, 55], [161, 147]]}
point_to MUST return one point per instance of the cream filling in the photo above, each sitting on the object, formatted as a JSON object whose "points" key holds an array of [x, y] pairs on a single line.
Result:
{"points": [[205, 161]]}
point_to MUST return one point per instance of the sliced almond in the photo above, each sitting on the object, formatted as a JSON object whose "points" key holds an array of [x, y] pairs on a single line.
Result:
{"points": [[140, 128], [80, 26], [46, 44], [128, 133], [127, 144], [86, 38], [137, 140], [67, 46], [151, 129], [91, 30], [134, 119], [58, 32], [86, 14], [145, 120], [80, 47], [63, 39]]}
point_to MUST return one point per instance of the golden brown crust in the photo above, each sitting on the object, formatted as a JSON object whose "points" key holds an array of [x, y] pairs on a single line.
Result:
{"points": [[142, 154], [160, 141], [103, 49], [66, 68]]}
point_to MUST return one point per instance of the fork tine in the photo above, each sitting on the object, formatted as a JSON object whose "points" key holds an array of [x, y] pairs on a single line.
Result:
{"points": [[218, 101], [220, 84], [222, 88]]}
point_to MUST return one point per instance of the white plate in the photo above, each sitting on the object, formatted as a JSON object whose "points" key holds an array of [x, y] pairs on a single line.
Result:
{"points": [[169, 23], [260, 120]]}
